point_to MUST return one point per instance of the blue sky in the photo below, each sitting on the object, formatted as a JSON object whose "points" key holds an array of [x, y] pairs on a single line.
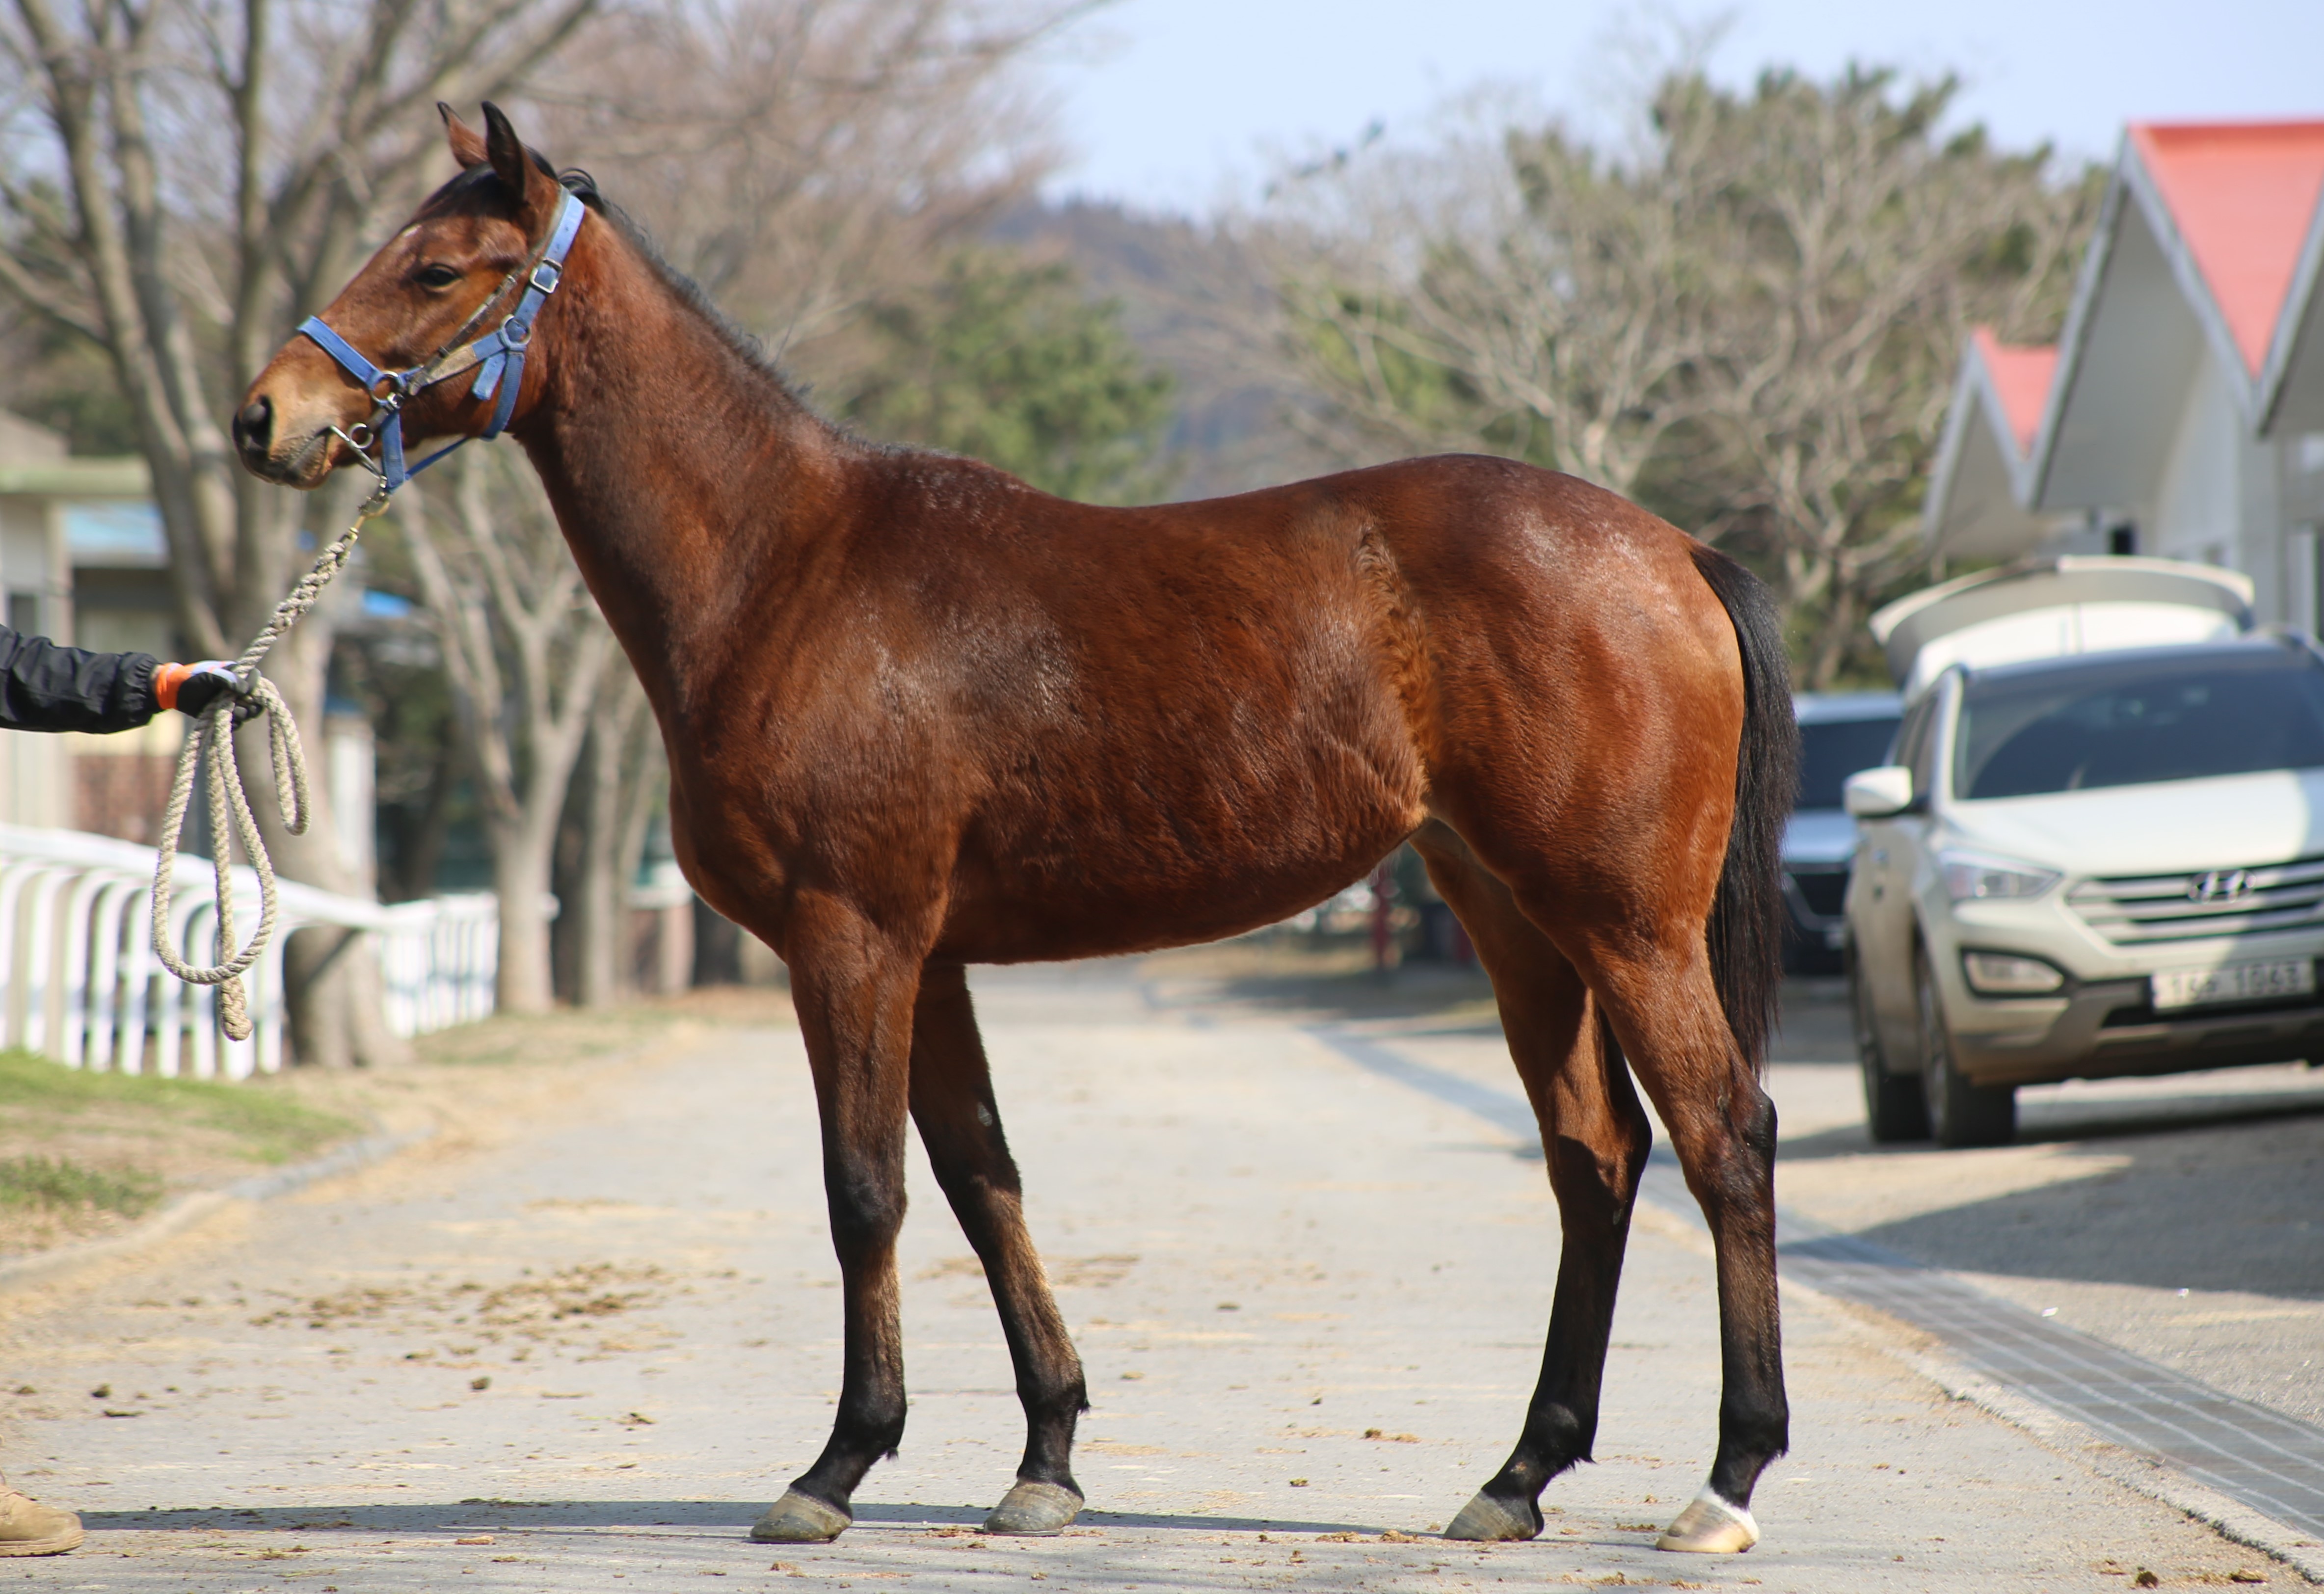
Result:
{"points": [[1181, 104]]}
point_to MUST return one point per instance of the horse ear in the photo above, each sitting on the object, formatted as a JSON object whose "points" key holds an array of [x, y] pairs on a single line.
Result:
{"points": [[506, 152], [467, 143]]}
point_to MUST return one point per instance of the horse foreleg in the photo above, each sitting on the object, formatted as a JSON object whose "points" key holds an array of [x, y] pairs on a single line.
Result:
{"points": [[854, 989], [1595, 1137], [960, 1125]]}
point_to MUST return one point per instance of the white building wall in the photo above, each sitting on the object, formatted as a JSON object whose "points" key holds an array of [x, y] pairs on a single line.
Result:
{"points": [[2267, 542], [2223, 500], [2197, 513]]}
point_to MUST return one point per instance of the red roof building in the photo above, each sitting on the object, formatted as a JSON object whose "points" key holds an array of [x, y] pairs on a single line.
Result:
{"points": [[2181, 413]]}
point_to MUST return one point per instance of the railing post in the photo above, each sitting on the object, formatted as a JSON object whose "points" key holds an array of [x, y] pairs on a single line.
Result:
{"points": [[14, 878], [74, 1026], [137, 983], [105, 972], [41, 945]]}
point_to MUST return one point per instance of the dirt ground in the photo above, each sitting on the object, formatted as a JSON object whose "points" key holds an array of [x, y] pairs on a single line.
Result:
{"points": [[164, 1138]]}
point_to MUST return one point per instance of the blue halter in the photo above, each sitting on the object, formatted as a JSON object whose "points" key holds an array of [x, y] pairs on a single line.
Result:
{"points": [[501, 354]]}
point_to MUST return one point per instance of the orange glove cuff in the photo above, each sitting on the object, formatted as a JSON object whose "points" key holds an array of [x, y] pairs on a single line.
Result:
{"points": [[167, 679]]}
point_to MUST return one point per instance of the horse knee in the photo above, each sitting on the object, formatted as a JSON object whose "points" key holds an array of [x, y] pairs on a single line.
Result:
{"points": [[867, 1211]]}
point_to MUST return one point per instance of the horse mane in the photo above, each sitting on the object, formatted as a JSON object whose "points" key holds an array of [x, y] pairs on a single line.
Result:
{"points": [[743, 344], [746, 347]]}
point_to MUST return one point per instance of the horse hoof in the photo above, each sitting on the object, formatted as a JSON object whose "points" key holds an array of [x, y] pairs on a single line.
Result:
{"points": [[1487, 1520], [800, 1519], [1034, 1510], [1710, 1526]]}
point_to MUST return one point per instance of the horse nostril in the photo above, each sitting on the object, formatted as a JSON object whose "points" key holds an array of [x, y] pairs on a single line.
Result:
{"points": [[253, 424]]}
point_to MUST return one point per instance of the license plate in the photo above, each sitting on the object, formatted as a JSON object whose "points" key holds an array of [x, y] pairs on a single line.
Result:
{"points": [[2234, 982]]}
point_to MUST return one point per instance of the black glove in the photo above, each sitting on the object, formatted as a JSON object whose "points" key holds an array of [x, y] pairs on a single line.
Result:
{"points": [[199, 691]]}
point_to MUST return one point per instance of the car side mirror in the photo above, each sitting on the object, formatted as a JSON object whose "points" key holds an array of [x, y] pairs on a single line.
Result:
{"points": [[1876, 794]]}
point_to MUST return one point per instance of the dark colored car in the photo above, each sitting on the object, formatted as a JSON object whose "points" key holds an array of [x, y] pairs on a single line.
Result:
{"points": [[1840, 732]]}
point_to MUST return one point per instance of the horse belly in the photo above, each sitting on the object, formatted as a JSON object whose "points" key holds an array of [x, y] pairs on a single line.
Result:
{"points": [[1235, 812]]}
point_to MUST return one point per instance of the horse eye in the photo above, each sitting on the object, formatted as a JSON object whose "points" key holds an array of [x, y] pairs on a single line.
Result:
{"points": [[437, 276]]}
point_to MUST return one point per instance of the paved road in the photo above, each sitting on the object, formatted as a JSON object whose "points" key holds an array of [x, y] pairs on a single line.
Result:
{"points": [[1310, 1300]]}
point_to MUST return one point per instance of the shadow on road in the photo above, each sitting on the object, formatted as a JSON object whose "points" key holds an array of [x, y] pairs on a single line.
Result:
{"points": [[2228, 1205], [494, 1516]]}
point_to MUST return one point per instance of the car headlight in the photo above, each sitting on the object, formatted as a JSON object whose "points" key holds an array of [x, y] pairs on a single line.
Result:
{"points": [[1981, 877], [1997, 974]]}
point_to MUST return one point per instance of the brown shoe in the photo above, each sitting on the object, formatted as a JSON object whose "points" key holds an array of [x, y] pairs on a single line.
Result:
{"points": [[27, 1527]]}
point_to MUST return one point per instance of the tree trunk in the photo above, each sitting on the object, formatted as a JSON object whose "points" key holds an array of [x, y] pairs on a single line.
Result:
{"points": [[620, 774], [598, 982], [521, 857]]}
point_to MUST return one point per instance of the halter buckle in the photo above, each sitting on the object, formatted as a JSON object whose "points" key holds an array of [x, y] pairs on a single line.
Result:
{"points": [[363, 458], [551, 271]]}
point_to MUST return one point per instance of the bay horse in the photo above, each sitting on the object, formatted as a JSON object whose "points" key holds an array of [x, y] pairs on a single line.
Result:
{"points": [[921, 716]]}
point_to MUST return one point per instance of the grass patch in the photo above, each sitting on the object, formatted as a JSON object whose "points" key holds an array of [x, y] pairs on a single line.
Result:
{"points": [[263, 1124], [60, 1184]]}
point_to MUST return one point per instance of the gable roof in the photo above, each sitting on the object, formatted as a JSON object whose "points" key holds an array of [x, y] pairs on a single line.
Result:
{"points": [[2017, 376], [1981, 483], [2241, 196], [2211, 236], [2214, 227]]}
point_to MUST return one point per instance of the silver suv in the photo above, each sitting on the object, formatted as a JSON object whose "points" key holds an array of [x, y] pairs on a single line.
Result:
{"points": [[2105, 864]]}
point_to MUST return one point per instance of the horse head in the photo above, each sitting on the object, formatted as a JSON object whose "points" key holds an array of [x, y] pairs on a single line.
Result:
{"points": [[465, 256]]}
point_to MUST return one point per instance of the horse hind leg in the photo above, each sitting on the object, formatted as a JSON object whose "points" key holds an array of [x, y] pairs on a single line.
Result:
{"points": [[1595, 1138], [1664, 1004], [960, 1125]]}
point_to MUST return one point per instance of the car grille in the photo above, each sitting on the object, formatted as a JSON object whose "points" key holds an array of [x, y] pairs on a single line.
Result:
{"points": [[2135, 911]]}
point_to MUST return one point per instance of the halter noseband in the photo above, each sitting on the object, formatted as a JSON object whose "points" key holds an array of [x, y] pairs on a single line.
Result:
{"points": [[501, 352]]}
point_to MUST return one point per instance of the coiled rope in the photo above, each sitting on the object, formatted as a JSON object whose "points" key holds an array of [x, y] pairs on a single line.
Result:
{"points": [[230, 815]]}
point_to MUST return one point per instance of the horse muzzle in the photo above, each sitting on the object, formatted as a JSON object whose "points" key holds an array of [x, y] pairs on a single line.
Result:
{"points": [[299, 455]]}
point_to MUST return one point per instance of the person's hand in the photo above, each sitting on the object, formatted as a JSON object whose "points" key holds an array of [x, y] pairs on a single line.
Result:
{"points": [[195, 688]]}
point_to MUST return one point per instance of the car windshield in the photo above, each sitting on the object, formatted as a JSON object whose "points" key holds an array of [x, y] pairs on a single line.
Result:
{"points": [[2133, 721], [1830, 750]]}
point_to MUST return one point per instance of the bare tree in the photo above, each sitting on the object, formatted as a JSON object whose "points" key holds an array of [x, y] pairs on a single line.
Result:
{"points": [[527, 653], [1748, 317], [180, 182], [796, 157], [1860, 244], [1519, 292], [623, 776]]}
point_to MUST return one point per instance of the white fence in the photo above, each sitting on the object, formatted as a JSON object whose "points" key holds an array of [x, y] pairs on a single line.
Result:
{"points": [[80, 983]]}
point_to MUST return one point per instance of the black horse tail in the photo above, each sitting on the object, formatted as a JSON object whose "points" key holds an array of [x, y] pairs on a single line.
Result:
{"points": [[1746, 917]]}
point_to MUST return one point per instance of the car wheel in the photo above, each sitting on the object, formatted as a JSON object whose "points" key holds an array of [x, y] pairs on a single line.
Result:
{"points": [[1894, 1109], [1959, 1113]]}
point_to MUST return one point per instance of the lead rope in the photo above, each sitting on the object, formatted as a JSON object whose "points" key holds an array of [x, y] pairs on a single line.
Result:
{"points": [[230, 815]]}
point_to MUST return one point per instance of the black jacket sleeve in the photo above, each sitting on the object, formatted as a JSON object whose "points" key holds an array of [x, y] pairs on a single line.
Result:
{"points": [[45, 687]]}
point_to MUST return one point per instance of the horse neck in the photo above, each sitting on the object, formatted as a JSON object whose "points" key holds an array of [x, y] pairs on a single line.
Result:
{"points": [[687, 478]]}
